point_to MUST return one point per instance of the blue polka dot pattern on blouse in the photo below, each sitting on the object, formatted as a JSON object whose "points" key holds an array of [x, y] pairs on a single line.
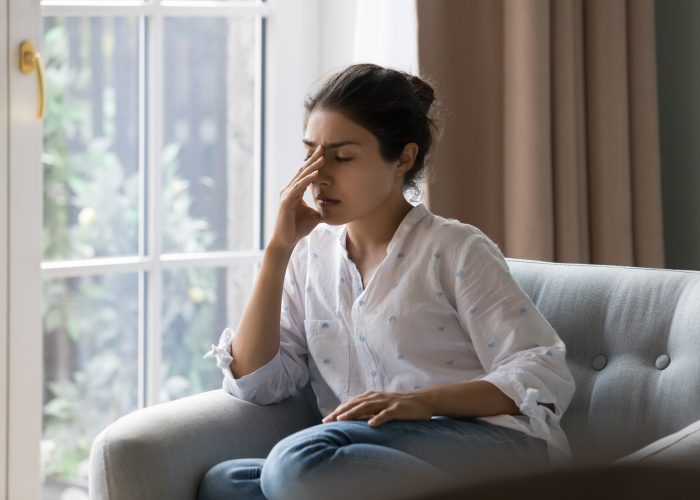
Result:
{"points": [[325, 325], [523, 310], [417, 351], [400, 255], [342, 279], [326, 361], [439, 295], [392, 319]]}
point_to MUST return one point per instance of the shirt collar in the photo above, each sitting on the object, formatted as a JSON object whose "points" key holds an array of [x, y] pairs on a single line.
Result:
{"points": [[409, 221]]}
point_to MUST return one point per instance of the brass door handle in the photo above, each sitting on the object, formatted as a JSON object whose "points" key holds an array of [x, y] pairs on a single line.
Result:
{"points": [[30, 61]]}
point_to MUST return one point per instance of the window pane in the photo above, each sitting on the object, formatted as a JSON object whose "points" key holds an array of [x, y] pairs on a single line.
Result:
{"points": [[90, 371], [91, 178], [196, 310], [209, 134]]}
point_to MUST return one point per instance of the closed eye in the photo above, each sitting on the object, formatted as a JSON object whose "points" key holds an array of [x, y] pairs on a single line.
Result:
{"points": [[338, 158]]}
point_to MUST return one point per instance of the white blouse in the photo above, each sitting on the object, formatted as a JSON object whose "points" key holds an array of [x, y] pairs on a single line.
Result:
{"points": [[442, 308]]}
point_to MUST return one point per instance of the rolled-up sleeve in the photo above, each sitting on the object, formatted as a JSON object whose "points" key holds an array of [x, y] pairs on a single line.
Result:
{"points": [[287, 372], [519, 350]]}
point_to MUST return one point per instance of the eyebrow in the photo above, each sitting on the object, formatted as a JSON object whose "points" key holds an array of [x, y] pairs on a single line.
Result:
{"points": [[331, 145]]}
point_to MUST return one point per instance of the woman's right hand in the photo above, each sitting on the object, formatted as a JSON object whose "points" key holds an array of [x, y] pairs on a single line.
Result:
{"points": [[295, 219]]}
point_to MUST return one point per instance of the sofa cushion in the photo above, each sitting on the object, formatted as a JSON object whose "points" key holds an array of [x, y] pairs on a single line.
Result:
{"points": [[682, 448]]}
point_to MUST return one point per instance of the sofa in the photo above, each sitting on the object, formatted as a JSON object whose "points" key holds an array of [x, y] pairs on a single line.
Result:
{"points": [[633, 346]]}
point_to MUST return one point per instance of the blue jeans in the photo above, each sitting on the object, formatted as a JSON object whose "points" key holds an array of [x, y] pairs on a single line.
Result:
{"points": [[398, 459]]}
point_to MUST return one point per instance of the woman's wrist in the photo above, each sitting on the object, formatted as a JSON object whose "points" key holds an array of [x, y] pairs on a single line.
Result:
{"points": [[278, 250], [426, 398]]}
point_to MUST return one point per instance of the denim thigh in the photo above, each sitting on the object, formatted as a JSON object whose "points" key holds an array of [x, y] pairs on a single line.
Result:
{"points": [[398, 454]]}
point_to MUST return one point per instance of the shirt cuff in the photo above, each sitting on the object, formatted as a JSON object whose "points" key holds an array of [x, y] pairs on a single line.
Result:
{"points": [[253, 387], [222, 352], [543, 421]]}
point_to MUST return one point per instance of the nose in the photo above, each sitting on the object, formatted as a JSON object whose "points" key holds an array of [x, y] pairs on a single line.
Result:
{"points": [[322, 178]]}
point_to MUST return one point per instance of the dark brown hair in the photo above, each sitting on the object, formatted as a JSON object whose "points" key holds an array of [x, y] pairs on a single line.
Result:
{"points": [[393, 105]]}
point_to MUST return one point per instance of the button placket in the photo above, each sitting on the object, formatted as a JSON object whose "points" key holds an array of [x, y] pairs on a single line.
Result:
{"points": [[368, 364]]}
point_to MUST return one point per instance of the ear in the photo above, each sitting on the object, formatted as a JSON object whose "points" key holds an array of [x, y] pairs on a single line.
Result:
{"points": [[407, 158]]}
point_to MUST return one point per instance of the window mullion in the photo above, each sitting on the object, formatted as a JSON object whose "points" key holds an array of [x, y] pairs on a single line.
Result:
{"points": [[143, 212], [258, 198], [154, 280]]}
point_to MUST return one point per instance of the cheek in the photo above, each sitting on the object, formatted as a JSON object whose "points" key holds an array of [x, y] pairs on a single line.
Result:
{"points": [[368, 175]]}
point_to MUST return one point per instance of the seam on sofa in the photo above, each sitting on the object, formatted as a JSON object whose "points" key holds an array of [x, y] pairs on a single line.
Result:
{"points": [[681, 438], [604, 266]]}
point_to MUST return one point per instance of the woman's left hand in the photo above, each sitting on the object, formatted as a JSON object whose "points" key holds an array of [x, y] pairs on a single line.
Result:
{"points": [[381, 407]]}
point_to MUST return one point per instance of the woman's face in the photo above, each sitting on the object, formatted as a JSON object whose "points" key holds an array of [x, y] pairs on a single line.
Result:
{"points": [[353, 172]]}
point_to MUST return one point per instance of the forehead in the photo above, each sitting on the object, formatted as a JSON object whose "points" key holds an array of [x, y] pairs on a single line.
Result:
{"points": [[333, 130]]}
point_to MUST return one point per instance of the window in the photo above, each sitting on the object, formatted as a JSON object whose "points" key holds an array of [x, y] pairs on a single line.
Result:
{"points": [[159, 185]]}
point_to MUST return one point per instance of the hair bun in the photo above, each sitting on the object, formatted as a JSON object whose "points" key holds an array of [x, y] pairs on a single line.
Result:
{"points": [[423, 90]]}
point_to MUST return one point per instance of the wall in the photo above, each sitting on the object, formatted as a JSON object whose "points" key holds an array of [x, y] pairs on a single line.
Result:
{"points": [[337, 33], [678, 58]]}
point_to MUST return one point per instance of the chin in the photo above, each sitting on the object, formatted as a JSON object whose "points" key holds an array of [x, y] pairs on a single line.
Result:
{"points": [[333, 219]]}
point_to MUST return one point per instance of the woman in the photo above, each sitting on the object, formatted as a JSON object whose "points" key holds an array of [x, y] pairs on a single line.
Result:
{"points": [[430, 365]]}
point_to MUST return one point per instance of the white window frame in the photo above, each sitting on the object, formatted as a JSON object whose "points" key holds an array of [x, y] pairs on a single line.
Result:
{"points": [[23, 291], [291, 65], [4, 221]]}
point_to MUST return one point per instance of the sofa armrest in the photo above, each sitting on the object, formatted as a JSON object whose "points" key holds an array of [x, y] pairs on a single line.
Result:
{"points": [[680, 448], [164, 450]]}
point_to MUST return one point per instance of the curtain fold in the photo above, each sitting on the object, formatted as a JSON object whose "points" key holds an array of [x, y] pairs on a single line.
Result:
{"points": [[550, 143]]}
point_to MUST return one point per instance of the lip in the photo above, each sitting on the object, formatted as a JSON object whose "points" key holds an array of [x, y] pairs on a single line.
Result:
{"points": [[327, 202]]}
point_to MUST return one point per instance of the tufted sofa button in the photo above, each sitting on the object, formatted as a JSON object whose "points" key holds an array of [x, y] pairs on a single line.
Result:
{"points": [[600, 361], [662, 361]]}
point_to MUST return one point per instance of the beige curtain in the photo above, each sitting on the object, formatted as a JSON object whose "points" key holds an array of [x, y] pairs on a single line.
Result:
{"points": [[550, 132]]}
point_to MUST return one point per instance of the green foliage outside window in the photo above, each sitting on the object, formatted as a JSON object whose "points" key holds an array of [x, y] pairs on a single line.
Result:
{"points": [[90, 324]]}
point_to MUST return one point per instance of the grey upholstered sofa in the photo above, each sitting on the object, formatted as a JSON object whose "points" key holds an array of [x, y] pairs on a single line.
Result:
{"points": [[633, 346]]}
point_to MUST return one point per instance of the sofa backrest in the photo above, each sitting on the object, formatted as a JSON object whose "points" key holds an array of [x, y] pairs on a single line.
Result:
{"points": [[633, 347]]}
